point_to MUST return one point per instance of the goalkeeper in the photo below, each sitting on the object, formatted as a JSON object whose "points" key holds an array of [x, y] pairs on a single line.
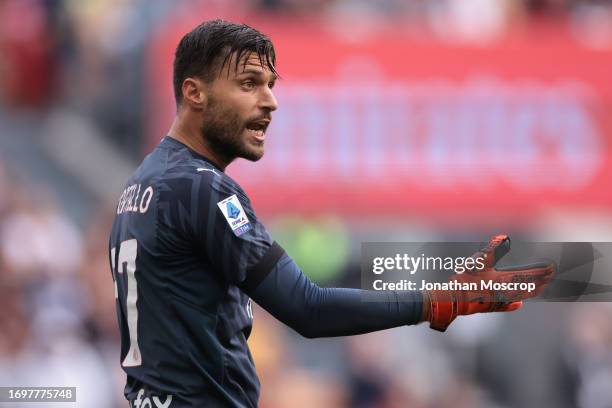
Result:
{"points": [[188, 253]]}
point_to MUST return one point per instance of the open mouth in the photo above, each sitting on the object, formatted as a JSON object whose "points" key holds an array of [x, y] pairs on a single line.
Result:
{"points": [[258, 129]]}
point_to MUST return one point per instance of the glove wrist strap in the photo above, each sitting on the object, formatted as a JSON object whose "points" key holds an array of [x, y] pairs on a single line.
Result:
{"points": [[443, 309]]}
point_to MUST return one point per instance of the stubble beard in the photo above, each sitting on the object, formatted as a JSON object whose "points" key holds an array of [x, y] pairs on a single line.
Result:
{"points": [[223, 130]]}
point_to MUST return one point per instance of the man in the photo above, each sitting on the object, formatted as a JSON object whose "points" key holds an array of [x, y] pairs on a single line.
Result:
{"points": [[188, 253]]}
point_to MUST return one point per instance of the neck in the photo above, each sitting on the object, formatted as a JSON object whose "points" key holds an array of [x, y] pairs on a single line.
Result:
{"points": [[190, 135]]}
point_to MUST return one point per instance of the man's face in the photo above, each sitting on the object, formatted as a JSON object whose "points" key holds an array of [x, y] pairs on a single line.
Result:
{"points": [[239, 109]]}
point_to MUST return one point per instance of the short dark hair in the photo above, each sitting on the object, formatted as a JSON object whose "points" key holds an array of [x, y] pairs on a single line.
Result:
{"points": [[199, 52]]}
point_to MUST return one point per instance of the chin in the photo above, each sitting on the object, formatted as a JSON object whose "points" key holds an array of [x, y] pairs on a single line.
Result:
{"points": [[252, 154], [252, 151], [255, 157]]}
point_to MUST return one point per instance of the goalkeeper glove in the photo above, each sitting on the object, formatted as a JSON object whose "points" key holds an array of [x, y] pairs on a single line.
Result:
{"points": [[441, 307]]}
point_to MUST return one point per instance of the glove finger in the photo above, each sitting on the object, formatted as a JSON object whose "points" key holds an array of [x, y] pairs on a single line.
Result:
{"points": [[497, 247], [540, 273], [500, 245]]}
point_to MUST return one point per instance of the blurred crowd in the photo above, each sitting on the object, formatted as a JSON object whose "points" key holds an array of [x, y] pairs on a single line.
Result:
{"points": [[57, 319], [57, 316]]}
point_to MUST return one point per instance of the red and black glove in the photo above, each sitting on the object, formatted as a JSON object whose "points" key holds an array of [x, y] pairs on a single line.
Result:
{"points": [[446, 305]]}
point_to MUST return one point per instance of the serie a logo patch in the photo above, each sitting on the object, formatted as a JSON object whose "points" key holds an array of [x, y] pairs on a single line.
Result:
{"points": [[234, 215]]}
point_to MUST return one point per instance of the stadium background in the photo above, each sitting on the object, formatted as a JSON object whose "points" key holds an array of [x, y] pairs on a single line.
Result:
{"points": [[398, 120]]}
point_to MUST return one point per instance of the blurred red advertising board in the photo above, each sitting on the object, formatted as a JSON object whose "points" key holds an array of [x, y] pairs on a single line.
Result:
{"points": [[391, 124]]}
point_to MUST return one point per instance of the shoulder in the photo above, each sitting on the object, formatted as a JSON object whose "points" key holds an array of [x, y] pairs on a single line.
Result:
{"points": [[199, 182]]}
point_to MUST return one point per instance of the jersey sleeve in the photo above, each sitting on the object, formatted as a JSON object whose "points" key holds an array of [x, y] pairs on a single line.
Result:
{"points": [[312, 311], [229, 234]]}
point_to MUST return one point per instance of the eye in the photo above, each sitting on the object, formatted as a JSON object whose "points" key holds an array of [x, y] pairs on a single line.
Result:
{"points": [[248, 84]]}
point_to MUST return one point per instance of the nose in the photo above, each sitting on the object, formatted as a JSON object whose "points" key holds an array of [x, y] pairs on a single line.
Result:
{"points": [[268, 100]]}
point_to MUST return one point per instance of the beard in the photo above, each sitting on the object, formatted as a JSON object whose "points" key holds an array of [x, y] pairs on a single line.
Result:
{"points": [[224, 131]]}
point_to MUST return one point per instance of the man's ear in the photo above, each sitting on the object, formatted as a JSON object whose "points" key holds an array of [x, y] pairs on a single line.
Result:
{"points": [[194, 93]]}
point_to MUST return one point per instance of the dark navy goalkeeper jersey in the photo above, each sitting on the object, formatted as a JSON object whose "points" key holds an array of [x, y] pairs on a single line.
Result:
{"points": [[185, 250], [183, 241]]}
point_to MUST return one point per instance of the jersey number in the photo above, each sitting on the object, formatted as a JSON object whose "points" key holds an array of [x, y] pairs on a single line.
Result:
{"points": [[127, 268]]}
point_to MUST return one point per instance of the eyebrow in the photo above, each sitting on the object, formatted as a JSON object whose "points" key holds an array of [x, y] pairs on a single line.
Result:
{"points": [[257, 72]]}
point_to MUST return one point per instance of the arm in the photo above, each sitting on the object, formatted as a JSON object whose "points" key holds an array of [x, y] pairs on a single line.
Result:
{"points": [[313, 311], [280, 287]]}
